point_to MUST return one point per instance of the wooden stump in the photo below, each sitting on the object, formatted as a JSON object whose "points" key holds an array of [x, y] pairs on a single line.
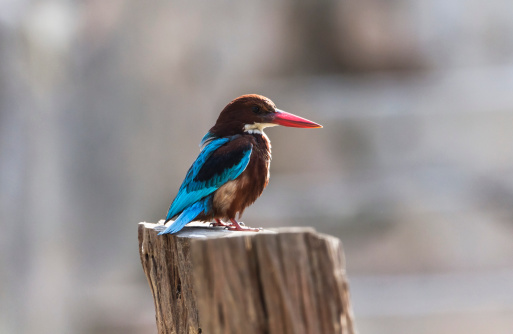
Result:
{"points": [[209, 280]]}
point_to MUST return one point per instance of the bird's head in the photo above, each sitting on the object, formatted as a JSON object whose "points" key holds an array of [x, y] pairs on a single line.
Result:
{"points": [[252, 113]]}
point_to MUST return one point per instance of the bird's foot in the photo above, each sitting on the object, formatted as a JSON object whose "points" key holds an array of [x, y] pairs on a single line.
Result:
{"points": [[218, 222], [243, 229], [237, 227]]}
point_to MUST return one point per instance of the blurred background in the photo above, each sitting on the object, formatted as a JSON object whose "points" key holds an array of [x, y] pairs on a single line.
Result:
{"points": [[103, 104]]}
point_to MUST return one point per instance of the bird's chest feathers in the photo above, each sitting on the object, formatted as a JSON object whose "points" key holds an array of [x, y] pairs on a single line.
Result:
{"points": [[236, 195], [226, 194], [258, 167]]}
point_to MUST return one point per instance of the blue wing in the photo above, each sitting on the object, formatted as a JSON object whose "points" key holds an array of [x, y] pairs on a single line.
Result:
{"points": [[220, 161], [186, 216]]}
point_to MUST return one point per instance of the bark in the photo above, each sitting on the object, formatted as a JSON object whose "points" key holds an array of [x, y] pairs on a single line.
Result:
{"points": [[209, 280]]}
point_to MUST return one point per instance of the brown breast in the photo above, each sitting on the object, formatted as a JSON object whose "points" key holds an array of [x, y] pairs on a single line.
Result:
{"points": [[234, 196]]}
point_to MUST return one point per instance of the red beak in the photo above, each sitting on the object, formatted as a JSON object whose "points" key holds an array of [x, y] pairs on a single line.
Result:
{"points": [[287, 119]]}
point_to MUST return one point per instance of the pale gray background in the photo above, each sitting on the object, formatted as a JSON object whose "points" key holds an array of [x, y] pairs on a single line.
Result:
{"points": [[103, 104]]}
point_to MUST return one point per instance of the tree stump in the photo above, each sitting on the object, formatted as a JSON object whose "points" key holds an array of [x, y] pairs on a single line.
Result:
{"points": [[210, 280]]}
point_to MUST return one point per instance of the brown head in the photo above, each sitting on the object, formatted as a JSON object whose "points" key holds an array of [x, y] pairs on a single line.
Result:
{"points": [[252, 113]]}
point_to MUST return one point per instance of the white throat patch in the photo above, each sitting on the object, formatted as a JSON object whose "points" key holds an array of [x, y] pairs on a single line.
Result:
{"points": [[257, 127]]}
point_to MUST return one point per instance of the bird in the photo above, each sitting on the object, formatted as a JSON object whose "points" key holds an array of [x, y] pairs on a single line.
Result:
{"points": [[232, 168]]}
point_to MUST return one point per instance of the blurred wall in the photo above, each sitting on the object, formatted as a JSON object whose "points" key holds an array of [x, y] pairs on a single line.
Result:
{"points": [[103, 104]]}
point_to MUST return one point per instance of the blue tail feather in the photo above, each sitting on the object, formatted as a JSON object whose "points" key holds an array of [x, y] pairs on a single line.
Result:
{"points": [[186, 217]]}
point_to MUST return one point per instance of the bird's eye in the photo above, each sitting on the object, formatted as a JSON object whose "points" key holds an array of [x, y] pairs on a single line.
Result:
{"points": [[256, 109]]}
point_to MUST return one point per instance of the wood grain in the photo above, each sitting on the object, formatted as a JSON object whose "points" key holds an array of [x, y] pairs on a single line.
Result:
{"points": [[209, 280]]}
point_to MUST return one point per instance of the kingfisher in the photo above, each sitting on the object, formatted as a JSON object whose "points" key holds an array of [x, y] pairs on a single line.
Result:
{"points": [[232, 169]]}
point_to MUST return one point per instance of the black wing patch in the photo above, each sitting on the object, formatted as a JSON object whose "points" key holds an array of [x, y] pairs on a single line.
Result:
{"points": [[222, 159]]}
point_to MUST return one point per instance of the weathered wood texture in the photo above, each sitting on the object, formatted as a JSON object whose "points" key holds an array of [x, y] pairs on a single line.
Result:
{"points": [[211, 281]]}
